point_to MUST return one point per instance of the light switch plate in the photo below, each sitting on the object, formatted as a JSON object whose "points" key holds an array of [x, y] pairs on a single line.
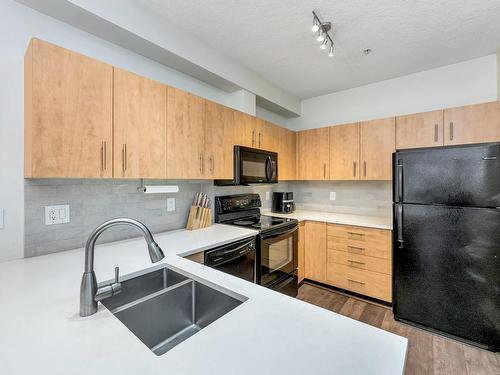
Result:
{"points": [[1, 218], [332, 196], [268, 194], [57, 214], [170, 204]]}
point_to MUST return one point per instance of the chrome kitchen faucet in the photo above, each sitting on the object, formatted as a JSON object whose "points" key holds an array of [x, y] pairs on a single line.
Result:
{"points": [[89, 293]]}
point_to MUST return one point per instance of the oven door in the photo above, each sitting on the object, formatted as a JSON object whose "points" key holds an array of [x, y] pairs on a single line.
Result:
{"points": [[255, 166], [278, 254]]}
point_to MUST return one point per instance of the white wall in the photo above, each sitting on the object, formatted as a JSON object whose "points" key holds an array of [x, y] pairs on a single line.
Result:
{"points": [[468, 82], [498, 74], [18, 24], [271, 116]]}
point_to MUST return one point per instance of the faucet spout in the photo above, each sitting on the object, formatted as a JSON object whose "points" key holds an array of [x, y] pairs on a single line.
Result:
{"points": [[88, 287]]}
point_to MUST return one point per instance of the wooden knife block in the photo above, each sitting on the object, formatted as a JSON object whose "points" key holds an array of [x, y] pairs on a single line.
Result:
{"points": [[199, 217]]}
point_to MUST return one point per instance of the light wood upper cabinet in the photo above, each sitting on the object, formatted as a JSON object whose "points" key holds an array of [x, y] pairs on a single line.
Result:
{"points": [[220, 137], [244, 129], [287, 154], [377, 143], [140, 126], [315, 245], [68, 114], [344, 152], [313, 154], [472, 124], [185, 135], [269, 136], [419, 130]]}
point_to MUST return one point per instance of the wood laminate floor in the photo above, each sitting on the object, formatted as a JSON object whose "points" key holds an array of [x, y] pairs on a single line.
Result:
{"points": [[427, 353]]}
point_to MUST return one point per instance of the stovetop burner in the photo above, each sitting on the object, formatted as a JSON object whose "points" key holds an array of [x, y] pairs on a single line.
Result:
{"points": [[244, 222]]}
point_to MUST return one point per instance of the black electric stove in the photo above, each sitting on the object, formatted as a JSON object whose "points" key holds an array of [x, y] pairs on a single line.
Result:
{"points": [[277, 242]]}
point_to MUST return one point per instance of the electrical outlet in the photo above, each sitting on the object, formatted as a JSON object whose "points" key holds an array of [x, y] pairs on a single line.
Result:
{"points": [[332, 195], [170, 204], [57, 214], [268, 194], [1, 218]]}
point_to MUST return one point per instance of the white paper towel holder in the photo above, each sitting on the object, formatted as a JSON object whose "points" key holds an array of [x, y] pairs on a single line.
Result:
{"points": [[157, 189]]}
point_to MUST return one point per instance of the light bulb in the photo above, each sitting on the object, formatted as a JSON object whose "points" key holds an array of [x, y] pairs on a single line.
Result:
{"points": [[330, 53], [315, 27], [320, 37], [323, 45]]}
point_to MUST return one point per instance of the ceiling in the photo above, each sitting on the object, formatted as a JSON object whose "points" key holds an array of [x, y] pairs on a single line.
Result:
{"points": [[274, 38]]}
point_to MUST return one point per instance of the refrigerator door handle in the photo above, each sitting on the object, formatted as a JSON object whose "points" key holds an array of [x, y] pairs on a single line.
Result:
{"points": [[400, 226], [400, 180]]}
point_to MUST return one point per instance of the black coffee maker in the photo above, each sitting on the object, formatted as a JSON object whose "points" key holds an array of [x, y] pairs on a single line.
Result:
{"points": [[283, 202]]}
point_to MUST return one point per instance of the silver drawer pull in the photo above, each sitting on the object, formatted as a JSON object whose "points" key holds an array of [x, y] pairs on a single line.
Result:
{"points": [[356, 282], [355, 248], [355, 234], [355, 262]]}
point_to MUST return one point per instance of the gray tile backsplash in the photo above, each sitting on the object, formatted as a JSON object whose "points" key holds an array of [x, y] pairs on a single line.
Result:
{"points": [[95, 201], [371, 198]]}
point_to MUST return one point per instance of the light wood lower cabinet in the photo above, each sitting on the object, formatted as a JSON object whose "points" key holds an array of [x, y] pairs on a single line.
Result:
{"points": [[68, 114], [315, 251], [356, 259], [360, 260], [301, 245], [472, 124], [419, 130], [313, 154], [140, 126]]}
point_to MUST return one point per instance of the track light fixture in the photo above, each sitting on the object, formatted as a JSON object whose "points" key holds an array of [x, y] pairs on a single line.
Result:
{"points": [[322, 29]]}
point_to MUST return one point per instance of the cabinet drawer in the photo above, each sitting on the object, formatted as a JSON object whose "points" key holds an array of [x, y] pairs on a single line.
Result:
{"points": [[361, 262], [361, 241], [373, 284], [359, 247]]}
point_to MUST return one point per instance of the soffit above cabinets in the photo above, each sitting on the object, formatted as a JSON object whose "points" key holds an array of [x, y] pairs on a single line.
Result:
{"points": [[275, 39]]}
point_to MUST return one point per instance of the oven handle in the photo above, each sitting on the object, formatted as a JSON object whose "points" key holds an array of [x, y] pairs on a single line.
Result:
{"points": [[228, 256], [279, 235]]}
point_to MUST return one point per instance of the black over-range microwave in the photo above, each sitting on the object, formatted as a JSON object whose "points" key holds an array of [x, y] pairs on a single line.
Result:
{"points": [[252, 166]]}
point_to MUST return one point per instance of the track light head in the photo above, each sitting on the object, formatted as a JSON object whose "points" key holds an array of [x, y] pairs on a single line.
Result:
{"points": [[315, 26], [323, 45], [330, 53], [320, 37]]}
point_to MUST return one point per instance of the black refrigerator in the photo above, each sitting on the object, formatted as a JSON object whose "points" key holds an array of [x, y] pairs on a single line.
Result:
{"points": [[446, 241]]}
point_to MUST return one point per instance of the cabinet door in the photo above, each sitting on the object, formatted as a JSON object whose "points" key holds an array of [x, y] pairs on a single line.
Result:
{"points": [[245, 129], [315, 251], [185, 135], [344, 152], [268, 136], [287, 154], [140, 126], [478, 123], [301, 260], [219, 141], [68, 114], [419, 130], [377, 142], [313, 154]]}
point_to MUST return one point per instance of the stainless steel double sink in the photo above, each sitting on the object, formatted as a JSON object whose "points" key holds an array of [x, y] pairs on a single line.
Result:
{"points": [[162, 308]]}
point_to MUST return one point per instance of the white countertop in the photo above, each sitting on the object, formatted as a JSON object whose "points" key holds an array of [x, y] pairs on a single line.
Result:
{"points": [[270, 333], [337, 218]]}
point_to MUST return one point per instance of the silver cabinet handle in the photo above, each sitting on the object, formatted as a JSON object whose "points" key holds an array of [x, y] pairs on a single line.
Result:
{"points": [[212, 163], [435, 132], [201, 163], [253, 137], [260, 139], [451, 131], [324, 171], [364, 167], [354, 168], [105, 155], [124, 157], [102, 155]]}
